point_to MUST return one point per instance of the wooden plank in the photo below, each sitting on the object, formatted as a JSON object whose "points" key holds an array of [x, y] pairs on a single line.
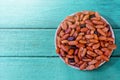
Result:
{"points": [[27, 42], [33, 42], [54, 69], [49, 13]]}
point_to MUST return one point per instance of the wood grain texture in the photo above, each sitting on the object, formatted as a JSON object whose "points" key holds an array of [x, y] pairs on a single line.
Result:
{"points": [[54, 69], [34, 42], [49, 13], [27, 42]]}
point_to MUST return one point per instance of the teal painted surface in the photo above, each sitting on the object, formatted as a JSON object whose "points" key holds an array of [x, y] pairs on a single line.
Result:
{"points": [[49, 13], [27, 42], [54, 69], [27, 29]]}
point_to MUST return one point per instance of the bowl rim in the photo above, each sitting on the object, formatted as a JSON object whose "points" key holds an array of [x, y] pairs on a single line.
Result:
{"points": [[74, 66]]}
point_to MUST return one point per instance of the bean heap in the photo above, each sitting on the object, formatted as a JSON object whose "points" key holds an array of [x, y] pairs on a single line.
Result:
{"points": [[84, 40]]}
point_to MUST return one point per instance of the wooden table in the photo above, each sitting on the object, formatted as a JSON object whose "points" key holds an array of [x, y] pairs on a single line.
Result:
{"points": [[27, 29]]}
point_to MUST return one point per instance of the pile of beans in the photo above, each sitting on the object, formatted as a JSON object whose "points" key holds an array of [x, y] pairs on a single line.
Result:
{"points": [[84, 40]]}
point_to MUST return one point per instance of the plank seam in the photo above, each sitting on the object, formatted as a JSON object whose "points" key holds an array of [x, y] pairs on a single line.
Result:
{"points": [[40, 28], [40, 56]]}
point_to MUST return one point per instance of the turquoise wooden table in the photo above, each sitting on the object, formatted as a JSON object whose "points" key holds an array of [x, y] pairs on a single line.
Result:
{"points": [[27, 29]]}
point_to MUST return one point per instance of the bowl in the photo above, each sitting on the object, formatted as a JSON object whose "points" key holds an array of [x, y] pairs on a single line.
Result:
{"points": [[75, 66]]}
